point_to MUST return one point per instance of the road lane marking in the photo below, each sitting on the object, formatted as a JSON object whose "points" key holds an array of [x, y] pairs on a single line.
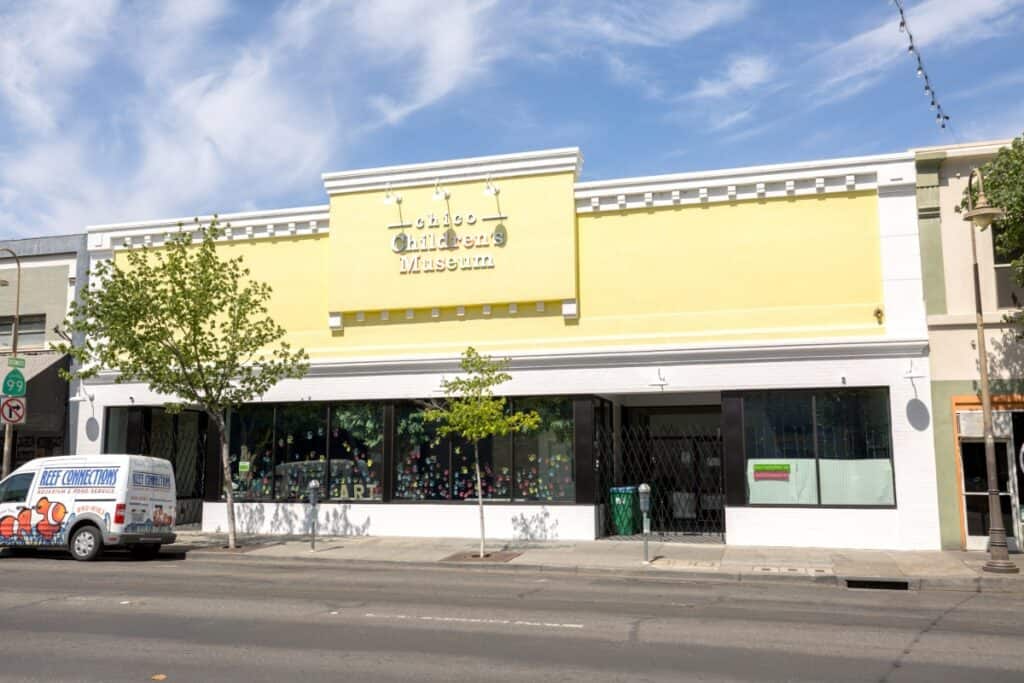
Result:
{"points": [[473, 620]]}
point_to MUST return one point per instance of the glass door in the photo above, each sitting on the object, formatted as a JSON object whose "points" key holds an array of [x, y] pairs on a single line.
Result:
{"points": [[975, 478]]}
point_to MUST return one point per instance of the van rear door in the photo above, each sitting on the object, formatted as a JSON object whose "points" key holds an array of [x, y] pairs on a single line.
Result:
{"points": [[151, 497]]}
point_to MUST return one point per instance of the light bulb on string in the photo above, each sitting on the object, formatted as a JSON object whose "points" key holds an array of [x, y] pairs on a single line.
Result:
{"points": [[920, 72]]}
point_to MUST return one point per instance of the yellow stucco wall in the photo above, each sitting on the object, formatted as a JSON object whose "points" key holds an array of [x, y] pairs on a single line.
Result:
{"points": [[805, 267]]}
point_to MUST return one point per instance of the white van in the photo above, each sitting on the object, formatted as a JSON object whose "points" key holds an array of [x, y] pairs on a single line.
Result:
{"points": [[89, 502]]}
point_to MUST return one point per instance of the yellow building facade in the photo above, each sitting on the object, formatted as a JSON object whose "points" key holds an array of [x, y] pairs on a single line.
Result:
{"points": [[764, 326]]}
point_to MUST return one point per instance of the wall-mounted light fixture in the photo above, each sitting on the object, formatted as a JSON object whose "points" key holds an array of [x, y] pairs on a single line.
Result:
{"points": [[440, 194], [393, 198], [492, 190]]}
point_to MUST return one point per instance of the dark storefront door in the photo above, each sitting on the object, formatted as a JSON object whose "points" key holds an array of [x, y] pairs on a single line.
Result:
{"points": [[975, 493]]}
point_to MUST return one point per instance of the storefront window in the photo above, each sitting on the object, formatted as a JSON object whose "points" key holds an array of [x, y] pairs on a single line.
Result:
{"points": [[301, 449], [495, 469], [779, 443], [251, 449], [543, 458], [835, 444], [356, 449], [422, 461], [854, 448]]}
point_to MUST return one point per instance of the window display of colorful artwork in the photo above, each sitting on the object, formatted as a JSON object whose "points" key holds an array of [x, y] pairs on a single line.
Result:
{"points": [[544, 465], [422, 461], [276, 450], [251, 452], [356, 449], [301, 449]]}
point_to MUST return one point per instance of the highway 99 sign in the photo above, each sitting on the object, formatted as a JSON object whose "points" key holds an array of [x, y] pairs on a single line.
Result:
{"points": [[14, 383]]}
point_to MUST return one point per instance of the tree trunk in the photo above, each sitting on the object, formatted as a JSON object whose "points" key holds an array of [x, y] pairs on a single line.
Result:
{"points": [[479, 495], [229, 491]]}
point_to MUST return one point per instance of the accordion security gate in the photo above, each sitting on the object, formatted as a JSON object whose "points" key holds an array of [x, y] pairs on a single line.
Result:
{"points": [[684, 470]]}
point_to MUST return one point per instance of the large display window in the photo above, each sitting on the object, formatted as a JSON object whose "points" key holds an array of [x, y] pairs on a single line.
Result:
{"points": [[544, 464], [251, 449], [422, 460], [829, 447], [300, 449], [356, 451], [276, 450]]}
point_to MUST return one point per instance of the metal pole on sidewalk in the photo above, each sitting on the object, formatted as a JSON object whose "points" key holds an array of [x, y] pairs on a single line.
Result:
{"points": [[314, 494], [644, 493], [981, 215], [5, 468]]}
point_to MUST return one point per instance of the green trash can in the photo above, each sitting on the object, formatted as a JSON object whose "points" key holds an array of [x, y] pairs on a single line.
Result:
{"points": [[625, 508]]}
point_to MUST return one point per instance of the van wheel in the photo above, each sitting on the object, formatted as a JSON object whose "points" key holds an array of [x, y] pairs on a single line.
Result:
{"points": [[145, 551], [86, 543]]}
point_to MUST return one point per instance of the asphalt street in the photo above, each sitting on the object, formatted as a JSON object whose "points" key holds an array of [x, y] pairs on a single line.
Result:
{"points": [[217, 617]]}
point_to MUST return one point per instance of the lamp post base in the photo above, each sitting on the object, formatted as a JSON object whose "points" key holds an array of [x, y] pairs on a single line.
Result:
{"points": [[1001, 567]]}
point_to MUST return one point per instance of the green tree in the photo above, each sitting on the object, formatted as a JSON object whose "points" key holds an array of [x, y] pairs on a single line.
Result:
{"points": [[192, 325], [472, 412], [1004, 187]]}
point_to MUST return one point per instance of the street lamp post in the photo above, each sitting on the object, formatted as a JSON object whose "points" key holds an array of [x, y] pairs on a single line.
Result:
{"points": [[8, 428], [980, 215]]}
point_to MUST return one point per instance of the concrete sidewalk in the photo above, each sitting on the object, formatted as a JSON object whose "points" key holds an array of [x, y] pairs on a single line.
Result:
{"points": [[934, 570]]}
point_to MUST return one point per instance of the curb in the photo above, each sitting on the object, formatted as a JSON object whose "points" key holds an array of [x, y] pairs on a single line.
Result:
{"points": [[913, 584]]}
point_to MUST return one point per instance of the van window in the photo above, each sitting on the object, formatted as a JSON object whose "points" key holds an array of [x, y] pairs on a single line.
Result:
{"points": [[15, 489]]}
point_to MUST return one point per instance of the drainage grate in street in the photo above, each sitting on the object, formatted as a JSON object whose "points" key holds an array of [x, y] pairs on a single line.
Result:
{"points": [[879, 584]]}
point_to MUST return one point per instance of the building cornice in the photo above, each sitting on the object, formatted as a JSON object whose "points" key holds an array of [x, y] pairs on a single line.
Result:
{"points": [[305, 220], [885, 173], [968, 149], [563, 160], [565, 359]]}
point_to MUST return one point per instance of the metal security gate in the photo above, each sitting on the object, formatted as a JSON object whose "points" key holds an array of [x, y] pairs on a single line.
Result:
{"points": [[181, 439], [683, 467]]}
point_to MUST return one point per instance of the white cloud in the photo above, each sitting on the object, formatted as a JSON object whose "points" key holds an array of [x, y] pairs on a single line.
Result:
{"points": [[646, 24], [206, 128], [730, 120], [742, 73], [631, 74], [42, 47]]}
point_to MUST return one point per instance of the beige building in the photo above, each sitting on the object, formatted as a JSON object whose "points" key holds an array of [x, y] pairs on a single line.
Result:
{"points": [[950, 303], [50, 271]]}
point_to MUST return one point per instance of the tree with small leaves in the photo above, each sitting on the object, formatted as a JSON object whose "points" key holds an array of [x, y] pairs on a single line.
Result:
{"points": [[190, 324], [472, 412], [1004, 188]]}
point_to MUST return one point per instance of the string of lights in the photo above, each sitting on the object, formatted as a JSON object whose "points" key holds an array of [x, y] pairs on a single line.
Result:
{"points": [[940, 115]]}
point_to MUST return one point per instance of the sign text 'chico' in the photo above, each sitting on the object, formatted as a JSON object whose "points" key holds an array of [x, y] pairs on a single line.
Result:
{"points": [[432, 252]]}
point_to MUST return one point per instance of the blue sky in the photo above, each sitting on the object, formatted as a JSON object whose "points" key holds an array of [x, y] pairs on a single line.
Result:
{"points": [[115, 111]]}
